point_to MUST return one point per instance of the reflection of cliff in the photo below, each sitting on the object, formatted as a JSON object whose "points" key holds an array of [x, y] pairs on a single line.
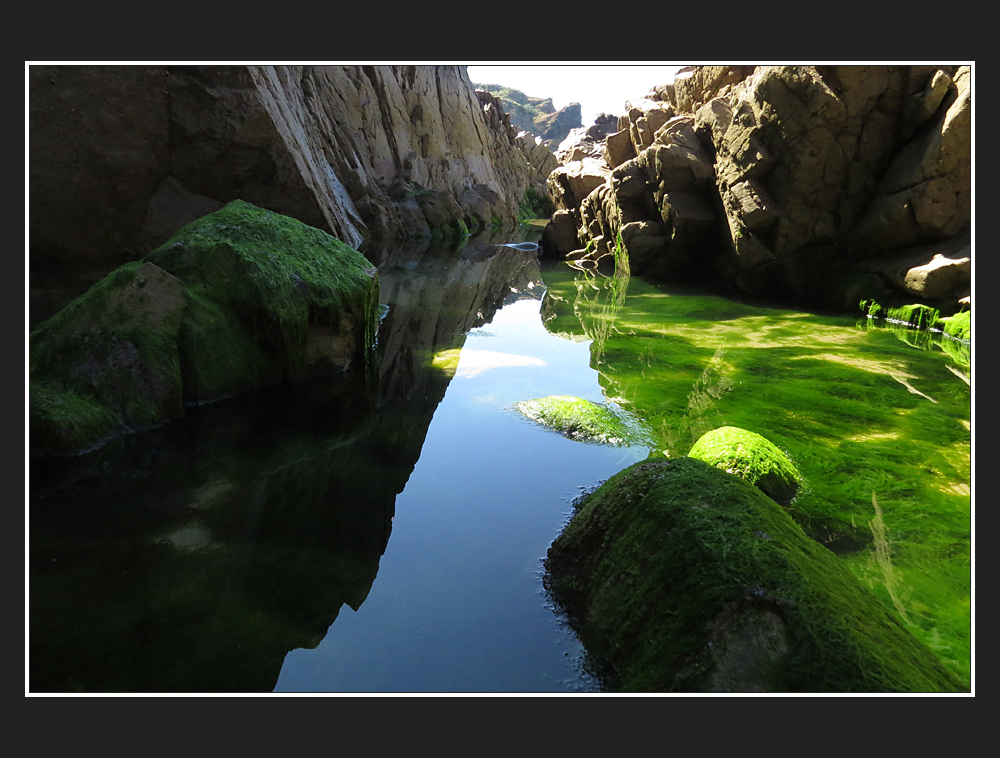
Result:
{"points": [[577, 301], [193, 557]]}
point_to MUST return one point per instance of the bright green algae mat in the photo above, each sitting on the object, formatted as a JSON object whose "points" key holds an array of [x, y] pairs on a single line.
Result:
{"points": [[585, 421], [737, 598], [879, 428]]}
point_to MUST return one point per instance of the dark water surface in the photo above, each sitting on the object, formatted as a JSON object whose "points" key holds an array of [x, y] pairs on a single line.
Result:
{"points": [[332, 538]]}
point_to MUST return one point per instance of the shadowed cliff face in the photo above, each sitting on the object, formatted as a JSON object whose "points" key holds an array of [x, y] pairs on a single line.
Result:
{"points": [[193, 557], [123, 156]]}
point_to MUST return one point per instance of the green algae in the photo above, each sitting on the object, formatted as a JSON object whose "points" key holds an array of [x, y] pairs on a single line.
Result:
{"points": [[680, 577], [586, 421], [257, 282], [858, 410], [240, 298], [107, 361], [916, 315], [959, 326], [751, 457]]}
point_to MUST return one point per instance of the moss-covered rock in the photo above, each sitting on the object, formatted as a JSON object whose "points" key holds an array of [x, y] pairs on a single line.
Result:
{"points": [[108, 359], [679, 577], [586, 421], [241, 298], [916, 315], [959, 326], [751, 457]]}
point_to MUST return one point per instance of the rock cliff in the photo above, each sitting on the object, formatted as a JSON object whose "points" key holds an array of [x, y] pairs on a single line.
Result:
{"points": [[122, 156], [820, 185]]}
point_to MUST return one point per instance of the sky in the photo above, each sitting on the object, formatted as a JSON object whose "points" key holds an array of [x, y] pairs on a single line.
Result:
{"points": [[598, 88]]}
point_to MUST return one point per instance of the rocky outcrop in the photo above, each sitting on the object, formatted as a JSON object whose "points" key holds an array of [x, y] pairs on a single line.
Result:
{"points": [[803, 184], [122, 156], [242, 298], [587, 141], [536, 115], [680, 577]]}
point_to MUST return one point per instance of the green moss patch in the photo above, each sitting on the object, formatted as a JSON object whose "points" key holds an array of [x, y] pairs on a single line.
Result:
{"points": [[240, 298], [751, 457], [959, 326], [586, 421], [859, 409], [916, 315], [108, 360], [680, 577]]}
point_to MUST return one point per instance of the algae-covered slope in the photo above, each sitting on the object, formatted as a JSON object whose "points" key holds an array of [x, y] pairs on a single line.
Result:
{"points": [[680, 577], [241, 298]]}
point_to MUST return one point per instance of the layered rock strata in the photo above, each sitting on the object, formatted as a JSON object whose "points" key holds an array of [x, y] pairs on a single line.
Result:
{"points": [[122, 156]]}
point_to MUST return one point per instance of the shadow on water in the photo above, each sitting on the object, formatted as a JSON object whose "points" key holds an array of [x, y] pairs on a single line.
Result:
{"points": [[193, 557]]}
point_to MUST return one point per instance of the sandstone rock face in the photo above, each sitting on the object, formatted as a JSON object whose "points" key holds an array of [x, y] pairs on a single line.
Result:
{"points": [[794, 183], [121, 156]]}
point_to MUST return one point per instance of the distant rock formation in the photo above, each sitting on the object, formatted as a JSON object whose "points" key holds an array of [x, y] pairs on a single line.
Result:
{"points": [[122, 156], [818, 185], [537, 115]]}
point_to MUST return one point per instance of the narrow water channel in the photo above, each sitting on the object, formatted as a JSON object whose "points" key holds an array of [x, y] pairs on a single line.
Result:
{"points": [[343, 537], [458, 605]]}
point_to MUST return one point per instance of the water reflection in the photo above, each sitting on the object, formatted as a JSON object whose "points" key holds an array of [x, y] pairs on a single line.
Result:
{"points": [[193, 557]]}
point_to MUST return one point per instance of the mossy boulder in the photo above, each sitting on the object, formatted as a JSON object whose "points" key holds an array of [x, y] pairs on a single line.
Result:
{"points": [[917, 315], [586, 421], [959, 326], [679, 577], [107, 360], [751, 457], [240, 298]]}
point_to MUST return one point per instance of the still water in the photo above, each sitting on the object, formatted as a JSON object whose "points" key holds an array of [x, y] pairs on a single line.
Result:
{"points": [[335, 537]]}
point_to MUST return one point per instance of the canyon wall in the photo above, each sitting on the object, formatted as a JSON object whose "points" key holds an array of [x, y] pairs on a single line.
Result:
{"points": [[819, 185], [122, 156]]}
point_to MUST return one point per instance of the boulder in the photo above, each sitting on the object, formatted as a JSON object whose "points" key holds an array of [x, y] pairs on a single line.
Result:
{"points": [[108, 360], [959, 326], [586, 421], [569, 184], [751, 457], [618, 148], [941, 277], [239, 299], [559, 236], [679, 577]]}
